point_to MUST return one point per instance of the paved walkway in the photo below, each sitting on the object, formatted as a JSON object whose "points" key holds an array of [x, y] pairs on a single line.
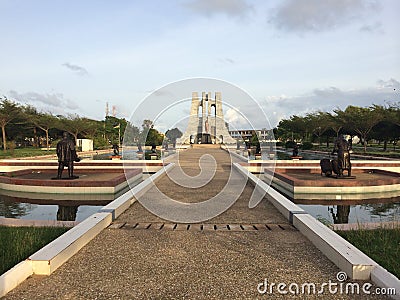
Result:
{"points": [[174, 261]]}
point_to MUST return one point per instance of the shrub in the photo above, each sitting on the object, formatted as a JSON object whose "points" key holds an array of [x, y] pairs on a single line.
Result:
{"points": [[290, 144], [306, 146]]}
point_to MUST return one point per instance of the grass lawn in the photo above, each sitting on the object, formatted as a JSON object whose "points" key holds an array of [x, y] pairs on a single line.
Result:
{"points": [[371, 151], [24, 152], [18, 243], [382, 245]]}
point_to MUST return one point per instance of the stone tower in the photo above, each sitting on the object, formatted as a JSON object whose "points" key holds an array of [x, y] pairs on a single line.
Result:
{"points": [[206, 122]]}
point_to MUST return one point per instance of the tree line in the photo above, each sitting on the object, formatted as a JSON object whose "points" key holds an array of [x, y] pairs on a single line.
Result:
{"points": [[378, 122], [23, 126]]}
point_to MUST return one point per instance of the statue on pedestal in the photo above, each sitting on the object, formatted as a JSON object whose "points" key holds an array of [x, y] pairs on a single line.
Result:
{"points": [[139, 147], [115, 149], [295, 151], [343, 156], [153, 148], [66, 154]]}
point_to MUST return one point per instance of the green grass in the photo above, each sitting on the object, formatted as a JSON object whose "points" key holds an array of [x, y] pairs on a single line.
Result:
{"points": [[382, 245], [372, 150], [24, 152], [18, 243]]}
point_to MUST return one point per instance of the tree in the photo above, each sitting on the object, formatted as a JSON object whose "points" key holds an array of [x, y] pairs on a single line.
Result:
{"points": [[146, 126], [394, 113], [254, 141], [149, 135], [319, 123], [44, 121], [336, 121], [361, 120], [92, 128], [131, 135], [73, 124], [154, 137], [173, 135], [294, 128], [385, 131], [9, 111], [113, 128]]}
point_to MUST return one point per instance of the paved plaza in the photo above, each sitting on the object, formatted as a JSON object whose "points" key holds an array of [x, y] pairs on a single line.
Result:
{"points": [[142, 256]]}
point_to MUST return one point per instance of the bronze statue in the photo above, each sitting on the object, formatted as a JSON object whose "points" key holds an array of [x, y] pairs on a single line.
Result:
{"points": [[139, 147], [258, 148], [295, 151], [343, 156], [115, 149], [66, 154], [153, 148]]}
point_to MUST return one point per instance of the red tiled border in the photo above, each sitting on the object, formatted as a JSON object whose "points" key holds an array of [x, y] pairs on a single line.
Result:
{"points": [[388, 178], [120, 177]]}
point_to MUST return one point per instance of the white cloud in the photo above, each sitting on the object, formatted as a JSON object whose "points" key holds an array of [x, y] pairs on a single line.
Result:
{"points": [[235, 119], [231, 8], [327, 99], [76, 69], [388, 84], [377, 27], [55, 102], [317, 15]]}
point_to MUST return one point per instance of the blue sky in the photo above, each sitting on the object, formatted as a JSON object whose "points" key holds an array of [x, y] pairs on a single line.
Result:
{"points": [[293, 56]]}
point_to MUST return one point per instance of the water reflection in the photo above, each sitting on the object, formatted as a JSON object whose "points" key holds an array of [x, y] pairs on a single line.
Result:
{"points": [[67, 213], [10, 209], [61, 207], [126, 155], [342, 214], [353, 211]]}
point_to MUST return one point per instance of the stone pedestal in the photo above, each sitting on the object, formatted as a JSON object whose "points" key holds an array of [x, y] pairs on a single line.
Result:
{"points": [[204, 138]]}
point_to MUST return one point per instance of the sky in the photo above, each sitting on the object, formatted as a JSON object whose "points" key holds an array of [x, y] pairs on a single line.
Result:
{"points": [[291, 56]]}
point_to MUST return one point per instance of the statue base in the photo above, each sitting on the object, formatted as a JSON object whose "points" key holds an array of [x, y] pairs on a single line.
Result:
{"points": [[204, 138], [343, 177], [296, 157], [65, 178]]}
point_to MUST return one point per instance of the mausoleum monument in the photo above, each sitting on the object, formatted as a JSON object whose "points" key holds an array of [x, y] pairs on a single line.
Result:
{"points": [[206, 122]]}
